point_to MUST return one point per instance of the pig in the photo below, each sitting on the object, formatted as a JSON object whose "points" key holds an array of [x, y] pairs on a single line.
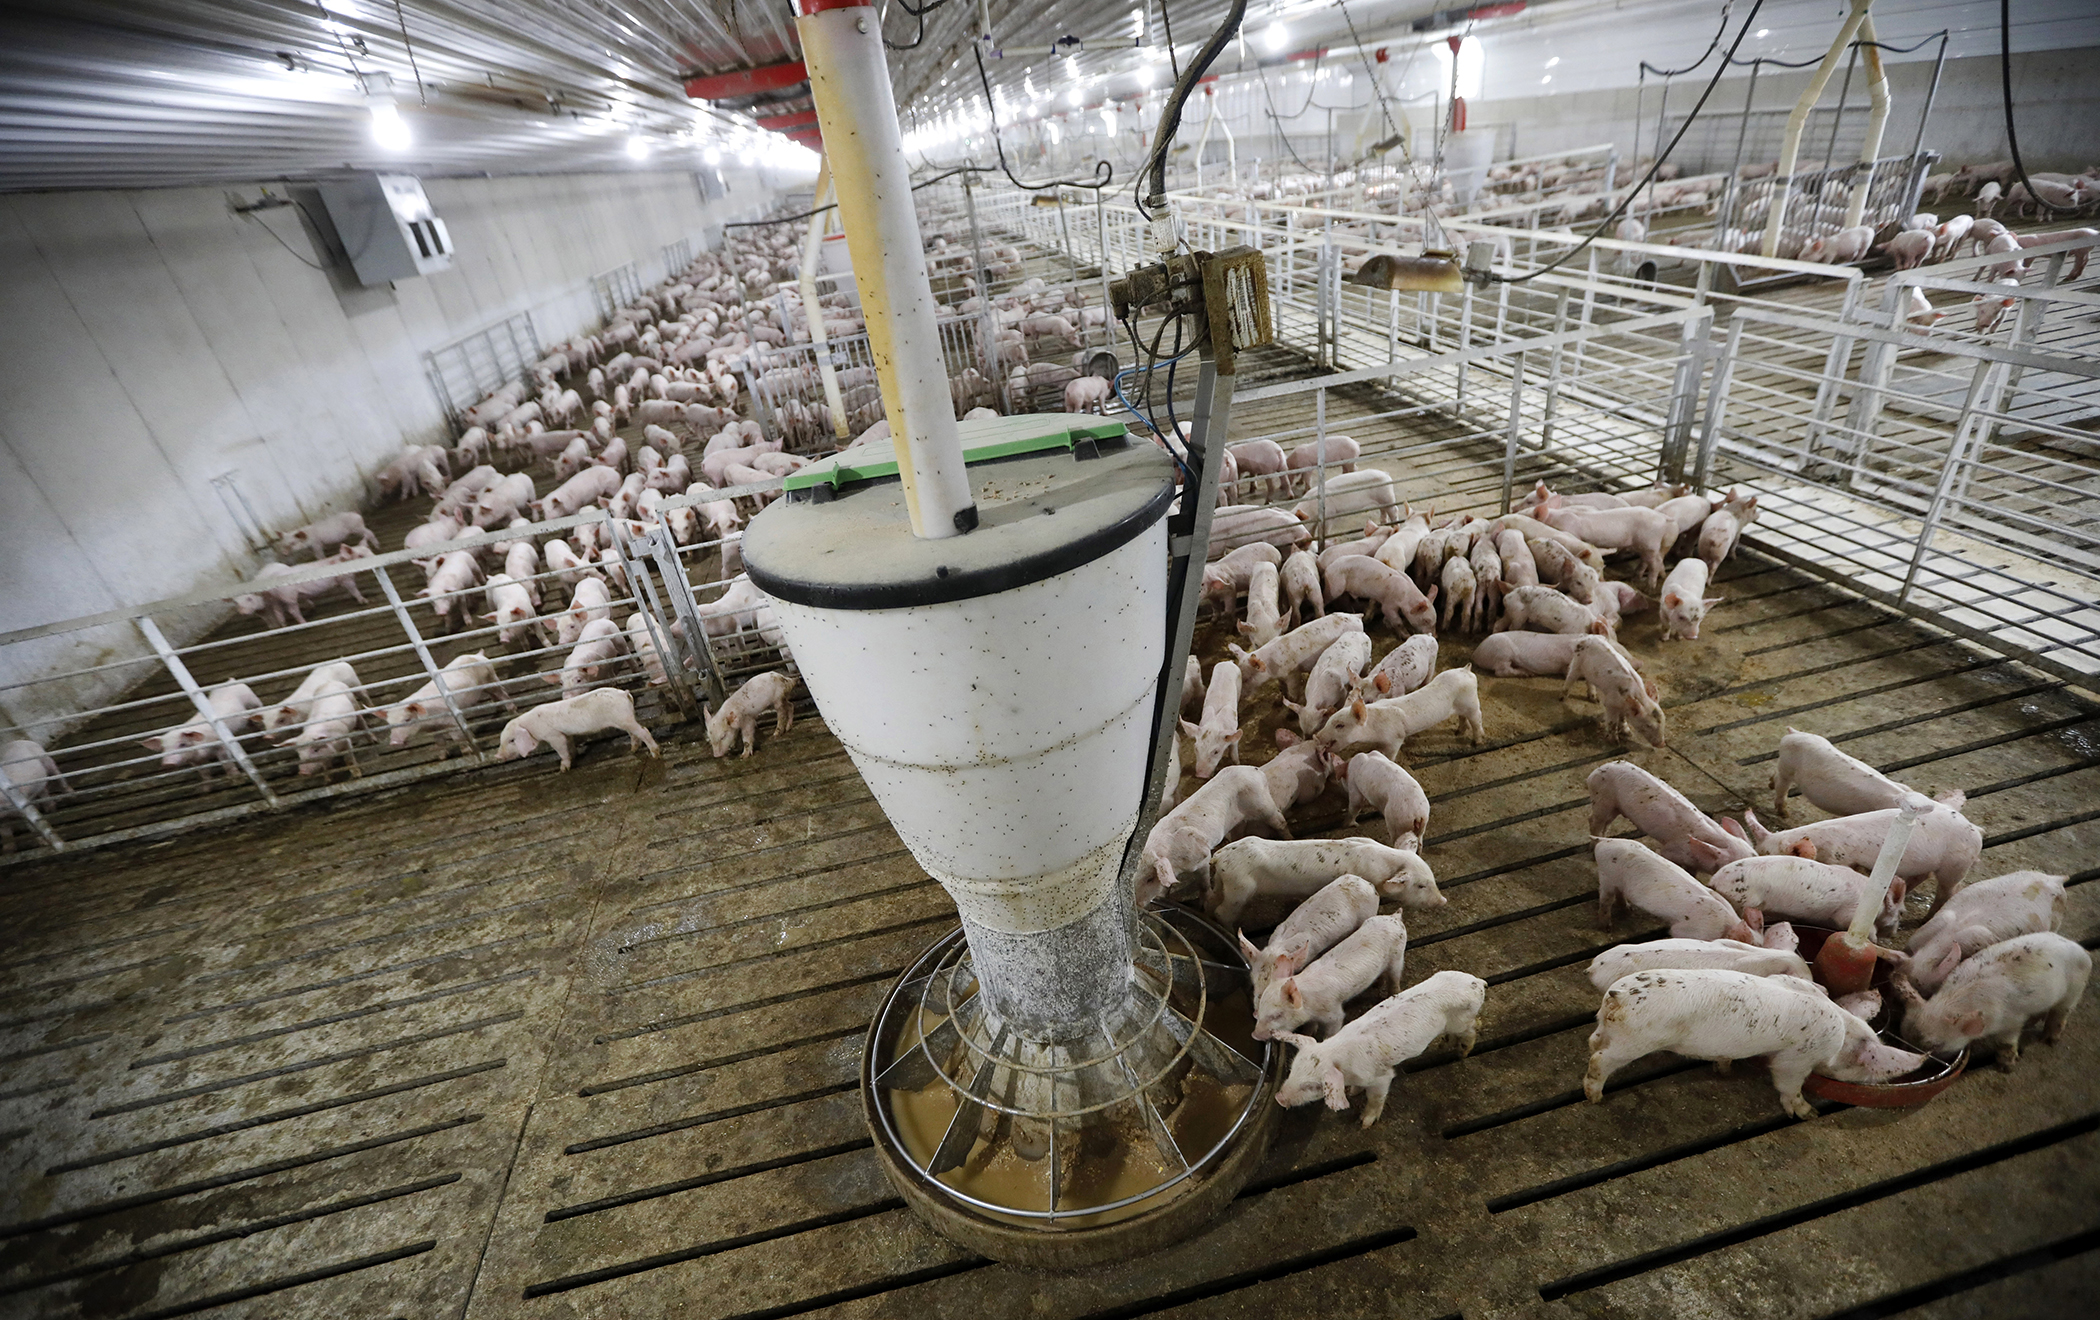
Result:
{"points": [[322, 536], [280, 604], [233, 705], [1723, 528], [1982, 914], [457, 573], [1621, 788], [738, 717], [279, 721], [572, 460], [1224, 579], [1333, 680], [1687, 955], [437, 531], [1629, 874], [735, 610], [1540, 531], [30, 773], [595, 655], [1487, 583], [590, 603], [1087, 394], [1389, 588], [470, 681], [1366, 1053], [592, 484], [1385, 725], [1300, 648], [1264, 622], [1990, 308], [1519, 564], [1841, 785], [1193, 692], [1337, 453], [1846, 245], [1461, 594], [1526, 654], [1314, 926], [511, 609], [1375, 952], [1576, 580], [558, 721], [460, 495], [1686, 512], [1543, 609], [1378, 784], [1647, 532], [1801, 889], [1302, 597], [1236, 525], [521, 562], [1396, 545], [1721, 1015], [1299, 772], [1943, 843], [1406, 667], [1994, 995], [1684, 601], [1629, 700], [333, 720], [1217, 736], [503, 501], [1350, 496], [1182, 841], [1261, 458], [1252, 868], [1911, 248], [642, 641], [564, 562]]}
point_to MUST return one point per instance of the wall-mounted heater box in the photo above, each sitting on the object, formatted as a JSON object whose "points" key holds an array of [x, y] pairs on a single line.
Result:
{"points": [[386, 226]]}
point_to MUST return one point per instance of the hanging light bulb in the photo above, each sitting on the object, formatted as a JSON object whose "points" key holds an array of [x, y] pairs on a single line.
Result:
{"points": [[1276, 36], [389, 129]]}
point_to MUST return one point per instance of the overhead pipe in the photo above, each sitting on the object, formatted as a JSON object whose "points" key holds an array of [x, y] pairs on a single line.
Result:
{"points": [[819, 220], [1877, 119], [850, 83], [1797, 123]]}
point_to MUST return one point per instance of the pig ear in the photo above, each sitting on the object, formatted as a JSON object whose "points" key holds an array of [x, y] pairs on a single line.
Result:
{"points": [[1649, 684], [1383, 682], [1804, 848], [1290, 993], [1943, 966], [1296, 1041], [1247, 947], [1189, 730], [1429, 594], [1671, 600], [1970, 1024], [1235, 736], [1356, 707], [152, 744], [1284, 737], [1712, 601], [1733, 826], [1898, 888], [1336, 1086]]}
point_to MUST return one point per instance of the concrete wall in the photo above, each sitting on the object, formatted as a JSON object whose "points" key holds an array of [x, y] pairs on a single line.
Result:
{"points": [[155, 340]]}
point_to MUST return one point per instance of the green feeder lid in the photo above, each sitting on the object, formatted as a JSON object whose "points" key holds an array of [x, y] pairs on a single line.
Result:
{"points": [[984, 439]]}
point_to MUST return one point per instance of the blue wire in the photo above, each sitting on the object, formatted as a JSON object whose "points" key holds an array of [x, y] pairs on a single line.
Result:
{"points": [[1117, 385]]}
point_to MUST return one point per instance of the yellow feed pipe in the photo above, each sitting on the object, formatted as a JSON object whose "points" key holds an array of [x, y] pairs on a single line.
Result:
{"points": [[1877, 119]]}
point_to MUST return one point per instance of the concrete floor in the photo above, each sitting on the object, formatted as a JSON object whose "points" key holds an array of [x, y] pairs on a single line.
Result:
{"points": [[522, 1044]]}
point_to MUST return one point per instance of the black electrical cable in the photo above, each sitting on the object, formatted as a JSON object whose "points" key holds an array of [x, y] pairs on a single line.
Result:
{"points": [[1104, 172], [1616, 212], [1173, 60], [281, 243], [807, 215], [1719, 32], [2012, 136], [1170, 117]]}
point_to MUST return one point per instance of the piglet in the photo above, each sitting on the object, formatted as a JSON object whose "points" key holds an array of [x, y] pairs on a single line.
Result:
{"points": [[1630, 875], [1376, 951], [1943, 843], [1225, 578], [1722, 1016], [1406, 667], [1629, 700], [1840, 784], [1333, 680], [1377, 784], [1302, 596], [233, 705], [1366, 1053], [282, 720], [1385, 725], [1299, 772], [333, 720], [1252, 868], [322, 536], [1685, 955], [1182, 841], [1985, 913], [738, 717], [1389, 589], [1723, 528], [1295, 650], [559, 721], [1994, 995], [597, 652], [1264, 623], [1621, 788], [1684, 601], [470, 680], [1544, 609], [1314, 926], [1801, 889]]}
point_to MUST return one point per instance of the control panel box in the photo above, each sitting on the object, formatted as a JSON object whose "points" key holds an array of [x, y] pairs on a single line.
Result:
{"points": [[387, 227]]}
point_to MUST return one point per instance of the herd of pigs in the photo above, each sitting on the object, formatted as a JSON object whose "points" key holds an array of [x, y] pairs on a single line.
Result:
{"points": [[1729, 982]]}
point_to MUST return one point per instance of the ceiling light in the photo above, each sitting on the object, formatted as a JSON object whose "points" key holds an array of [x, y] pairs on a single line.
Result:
{"points": [[1276, 36], [1761, 32], [637, 147], [1555, 60], [1072, 97], [389, 130], [713, 156], [1144, 75]]}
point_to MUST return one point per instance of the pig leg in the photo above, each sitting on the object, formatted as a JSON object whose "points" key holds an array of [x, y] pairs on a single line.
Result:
{"points": [[1467, 1038], [2008, 1047], [1356, 802], [747, 728], [560, 743], [1789, 1069], [1469, 708], [1402, 834], [783, 715], [1604, 809], [1782, 784], [1608, 901], [1604, 1061], [1374, 1098]]}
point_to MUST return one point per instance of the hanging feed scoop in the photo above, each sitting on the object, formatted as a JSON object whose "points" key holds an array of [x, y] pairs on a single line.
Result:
{"points": [[1435, 271]]}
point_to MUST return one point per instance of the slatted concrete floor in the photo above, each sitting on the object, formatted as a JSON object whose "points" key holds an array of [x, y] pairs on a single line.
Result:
{"points": [[521, 1044]]}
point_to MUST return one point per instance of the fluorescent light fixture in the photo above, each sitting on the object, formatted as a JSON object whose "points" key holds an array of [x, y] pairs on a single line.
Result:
{"points": [[637, 147], [1144, 75], [389, 129], [1276, 36], [1553, 62], [713, 155], [1763, 32], [1072, 97]]}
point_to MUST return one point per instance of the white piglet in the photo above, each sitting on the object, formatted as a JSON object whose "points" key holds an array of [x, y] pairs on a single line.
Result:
{"points": [[1689, 955], [1217, 736], [1994, 995], [1375, 952], [738, 717], [1293, 868], [572, 717], [1377, 784], [1365, 1054], [1314, 927], [1630, 875], [1684, 600]]}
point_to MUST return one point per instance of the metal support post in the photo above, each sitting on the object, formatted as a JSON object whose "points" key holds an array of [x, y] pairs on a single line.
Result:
{"points": [[1692, 354], [1320, 469], [1509, 439], [233, 747], [651, 609], [680, 589], [430, 667], [1986, 381], [1560, 323], [1716, 406]]}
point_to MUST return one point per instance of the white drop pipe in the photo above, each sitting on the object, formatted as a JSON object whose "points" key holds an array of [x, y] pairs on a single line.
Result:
{"points": [[1877, 119], [1797, 123], [812, 248], [857, 111]]}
